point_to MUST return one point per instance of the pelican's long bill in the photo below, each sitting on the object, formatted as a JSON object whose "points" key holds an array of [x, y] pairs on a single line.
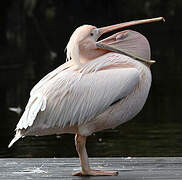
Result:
{"points": [[112, 43]]}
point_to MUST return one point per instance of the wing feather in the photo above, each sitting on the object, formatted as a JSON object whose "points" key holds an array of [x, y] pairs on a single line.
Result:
{"points": [[86, 98], [71, 97]]}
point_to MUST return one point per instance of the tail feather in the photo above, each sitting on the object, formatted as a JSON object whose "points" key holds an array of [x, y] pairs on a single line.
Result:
{"points": [[18, 135]]}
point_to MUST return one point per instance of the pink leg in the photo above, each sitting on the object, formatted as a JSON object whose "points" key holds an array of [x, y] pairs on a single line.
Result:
{"points": [[80, 142]]}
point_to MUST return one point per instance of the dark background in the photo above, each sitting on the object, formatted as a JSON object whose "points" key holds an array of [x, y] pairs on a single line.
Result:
{"points": [[33, 36]]}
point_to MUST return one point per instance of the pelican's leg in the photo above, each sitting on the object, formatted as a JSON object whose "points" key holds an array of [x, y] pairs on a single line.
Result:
{"points": [[80, 142]]}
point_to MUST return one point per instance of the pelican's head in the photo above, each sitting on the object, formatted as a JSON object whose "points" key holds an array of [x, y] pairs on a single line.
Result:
{"points": [[83, 45]]}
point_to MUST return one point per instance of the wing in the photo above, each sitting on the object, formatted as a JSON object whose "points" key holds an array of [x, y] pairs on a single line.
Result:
{"points": [[73, 97], [76, 99]]}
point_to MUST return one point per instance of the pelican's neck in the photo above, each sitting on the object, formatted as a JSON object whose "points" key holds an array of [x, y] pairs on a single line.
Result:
{"points": [[144, 84], [93, 53], [144, 70]]}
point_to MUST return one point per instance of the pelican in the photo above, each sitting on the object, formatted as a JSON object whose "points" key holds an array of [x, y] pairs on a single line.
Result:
{"points": [[103, 84]]}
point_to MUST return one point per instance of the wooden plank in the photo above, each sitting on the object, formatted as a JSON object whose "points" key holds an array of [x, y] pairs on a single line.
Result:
{"points": [[167, 168]]}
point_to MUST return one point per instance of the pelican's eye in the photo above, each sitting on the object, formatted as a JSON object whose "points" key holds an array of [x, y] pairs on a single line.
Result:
{"points": [[94, 34]]}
